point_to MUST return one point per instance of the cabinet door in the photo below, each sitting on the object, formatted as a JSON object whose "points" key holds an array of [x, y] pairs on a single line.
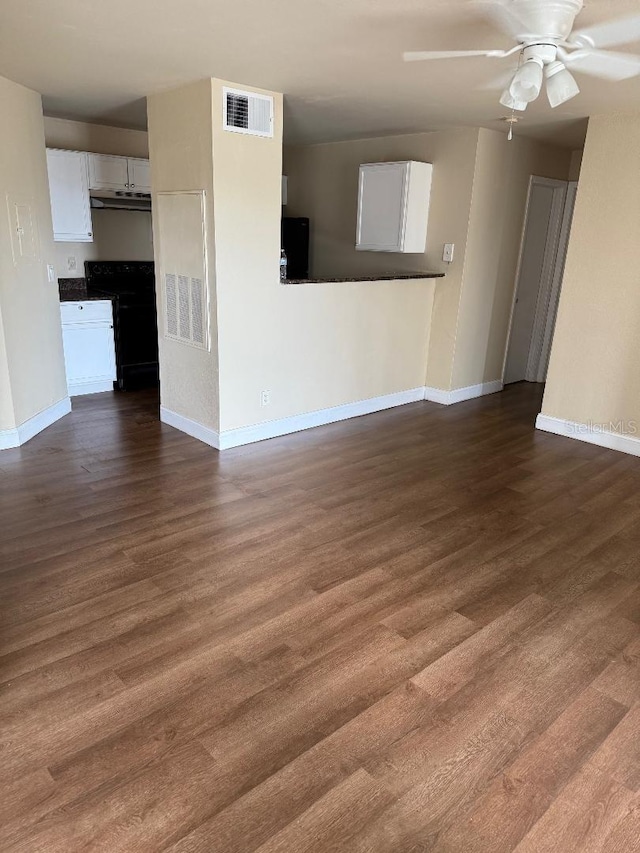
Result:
{"points": [[381, 207], [107, 172], [89, 356], [139, 175], [69, 194]]}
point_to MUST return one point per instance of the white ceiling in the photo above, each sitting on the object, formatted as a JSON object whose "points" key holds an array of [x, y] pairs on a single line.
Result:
{"points": [[338, 62]]}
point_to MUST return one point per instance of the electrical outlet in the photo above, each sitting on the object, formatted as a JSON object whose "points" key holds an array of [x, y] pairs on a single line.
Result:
{"points": [[72, 264], [265, 397], [447, 252]]}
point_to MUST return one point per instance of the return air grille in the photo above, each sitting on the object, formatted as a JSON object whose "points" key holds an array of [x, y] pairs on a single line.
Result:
{"points": [[171, 305], [247, 112], [185, 309]]}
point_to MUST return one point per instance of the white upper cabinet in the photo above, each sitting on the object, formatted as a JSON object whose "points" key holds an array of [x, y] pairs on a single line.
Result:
{"points": [[125, 174], [393, 206], [139, 175], [69, 193], [107, 172]]}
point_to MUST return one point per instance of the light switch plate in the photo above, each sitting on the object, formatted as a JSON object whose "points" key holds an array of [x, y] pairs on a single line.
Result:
{"points": [[51, 273], [447, 252]]}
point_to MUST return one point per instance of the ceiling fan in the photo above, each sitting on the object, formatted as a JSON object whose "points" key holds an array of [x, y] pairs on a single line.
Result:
{"points": [[548, 47]]}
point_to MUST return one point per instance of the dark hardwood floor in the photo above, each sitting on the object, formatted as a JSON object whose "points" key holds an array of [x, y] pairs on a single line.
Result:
{"points": [[413, 631]]}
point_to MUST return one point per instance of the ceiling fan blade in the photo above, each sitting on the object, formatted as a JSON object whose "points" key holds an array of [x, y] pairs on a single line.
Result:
{"points": [[498, 83], [419, 55], [608, 64], [502, 13], [609, 33]]}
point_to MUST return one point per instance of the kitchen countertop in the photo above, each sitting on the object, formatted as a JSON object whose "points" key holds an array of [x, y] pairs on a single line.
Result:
{"points": [[387, 277], [75, 290]]}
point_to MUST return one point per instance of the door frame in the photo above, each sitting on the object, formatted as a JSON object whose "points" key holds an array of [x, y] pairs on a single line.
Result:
{"points": [[535, 363], [556, 283]]}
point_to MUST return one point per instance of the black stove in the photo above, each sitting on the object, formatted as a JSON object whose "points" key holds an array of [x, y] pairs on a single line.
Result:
{"points": [[131, 286]]}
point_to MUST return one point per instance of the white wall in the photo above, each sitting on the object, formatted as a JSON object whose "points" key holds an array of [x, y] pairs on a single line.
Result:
{"points": [[32, 376]]}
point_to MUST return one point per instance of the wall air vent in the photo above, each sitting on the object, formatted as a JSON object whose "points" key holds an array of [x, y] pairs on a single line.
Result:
{"points": [[247, 112], [184, 309]]}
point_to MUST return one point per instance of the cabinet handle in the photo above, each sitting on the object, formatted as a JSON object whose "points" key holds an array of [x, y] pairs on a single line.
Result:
{"points": [[127, 185], [80, 307], [132, 185]]}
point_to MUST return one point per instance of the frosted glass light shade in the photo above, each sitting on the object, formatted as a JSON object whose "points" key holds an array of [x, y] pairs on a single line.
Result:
{"points": [[561, 84], [507, 100], [527, 81]]}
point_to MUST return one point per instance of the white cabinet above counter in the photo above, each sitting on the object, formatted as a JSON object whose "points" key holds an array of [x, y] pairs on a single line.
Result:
{"points": [[108, 172], [393, 207], [76, 175], [69, 194]]}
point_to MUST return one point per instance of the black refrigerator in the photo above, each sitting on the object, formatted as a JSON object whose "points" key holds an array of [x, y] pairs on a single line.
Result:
{"points": [[295, 242]]}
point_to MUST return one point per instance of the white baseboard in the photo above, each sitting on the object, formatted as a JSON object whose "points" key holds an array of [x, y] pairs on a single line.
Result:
{"points": [[458, 395], [296, 423], [591, 433], [192, 428], [271, 429], [76, 389], [284, 426], [21, 434], [436, 395]]}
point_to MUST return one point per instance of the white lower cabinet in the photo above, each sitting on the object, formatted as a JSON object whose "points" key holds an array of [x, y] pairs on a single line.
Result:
{"points": [[89, 351]]}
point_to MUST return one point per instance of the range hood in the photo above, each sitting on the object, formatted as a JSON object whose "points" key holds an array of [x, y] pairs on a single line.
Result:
{"points": [[121, 201]]}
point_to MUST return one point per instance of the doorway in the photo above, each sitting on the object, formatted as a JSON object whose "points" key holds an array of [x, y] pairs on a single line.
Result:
{"points": [[543, 251]]}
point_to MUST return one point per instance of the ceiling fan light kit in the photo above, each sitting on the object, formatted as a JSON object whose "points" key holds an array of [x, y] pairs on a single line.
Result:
{"points": [[547, 44], [507, 100], [561, 84], [527, 81]]}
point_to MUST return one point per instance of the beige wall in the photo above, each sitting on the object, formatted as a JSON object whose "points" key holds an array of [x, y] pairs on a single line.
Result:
{"points": [[7, 416], [319, 346], [478, 199], [593, 372], [31, 354], [98, 138], [181, 151], [312, 347], [117, 235], [323, 185], [575, 164], [500, 187]]}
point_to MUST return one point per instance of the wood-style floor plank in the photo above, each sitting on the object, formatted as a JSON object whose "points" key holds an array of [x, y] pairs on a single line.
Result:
{"points": [[413, 631]]}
